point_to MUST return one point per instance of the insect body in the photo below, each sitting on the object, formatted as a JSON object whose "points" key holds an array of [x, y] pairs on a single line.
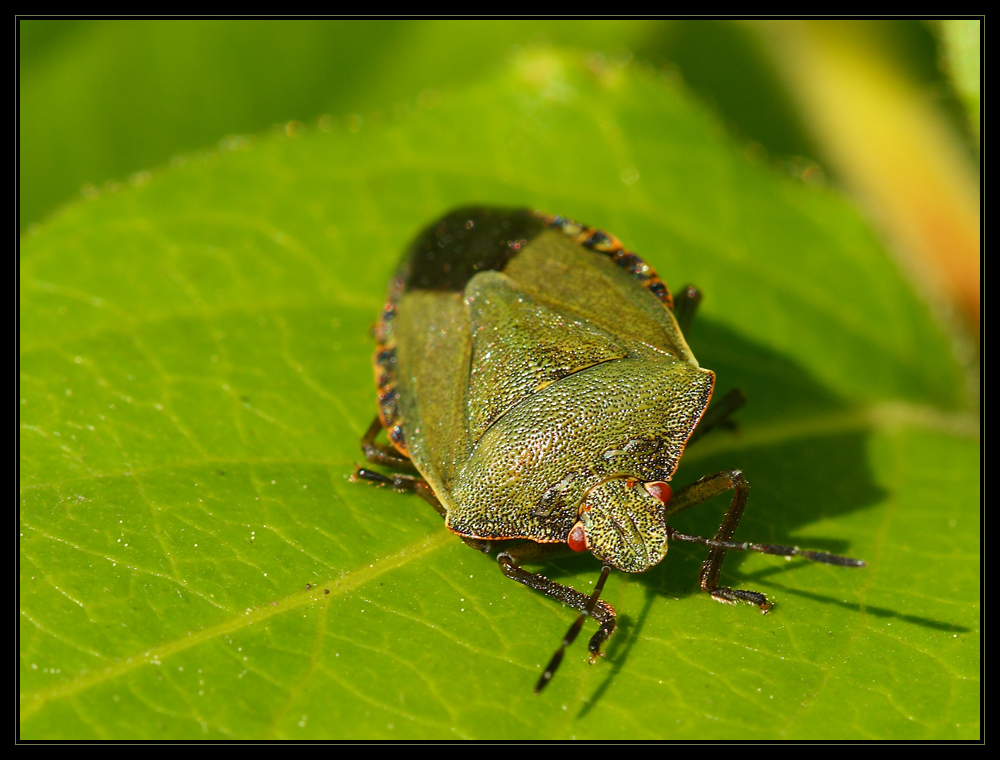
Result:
{"points": [[534, 376]]}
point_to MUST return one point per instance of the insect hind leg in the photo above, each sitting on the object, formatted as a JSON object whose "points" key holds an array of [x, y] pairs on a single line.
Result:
{"points": [[409, 484], [380, 453], [401, 483]]}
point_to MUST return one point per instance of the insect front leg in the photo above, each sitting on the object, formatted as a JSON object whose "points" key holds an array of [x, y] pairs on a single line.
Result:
{"points": [[701, 491], [510, 563]]}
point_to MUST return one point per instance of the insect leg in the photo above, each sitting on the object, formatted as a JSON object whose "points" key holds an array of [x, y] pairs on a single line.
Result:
{"points": [[573, 632], [379, 453], [510, 561], [701, 491], [718, 414], [685, 305], [413, 484], [401, 483]]}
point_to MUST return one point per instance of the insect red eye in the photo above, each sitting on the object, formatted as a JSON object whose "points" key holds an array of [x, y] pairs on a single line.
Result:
{"points": [[577, 538], [660, 491]]}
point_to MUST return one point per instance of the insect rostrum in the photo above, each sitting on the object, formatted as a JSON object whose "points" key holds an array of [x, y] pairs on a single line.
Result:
{"points": [[533, 377]]}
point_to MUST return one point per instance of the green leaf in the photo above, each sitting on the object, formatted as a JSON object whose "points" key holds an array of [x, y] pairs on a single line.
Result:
{"points": [[195, 375]]}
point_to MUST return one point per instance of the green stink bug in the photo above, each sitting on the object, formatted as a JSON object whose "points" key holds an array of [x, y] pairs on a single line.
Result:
{"points": [[533, 376]]}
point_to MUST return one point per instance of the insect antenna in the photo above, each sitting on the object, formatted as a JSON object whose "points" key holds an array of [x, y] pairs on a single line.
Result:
{"points": [[573, 632], [776, 549]]}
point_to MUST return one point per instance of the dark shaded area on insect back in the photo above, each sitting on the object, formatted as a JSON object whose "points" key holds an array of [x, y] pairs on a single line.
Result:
{"points": [[450, 252]]}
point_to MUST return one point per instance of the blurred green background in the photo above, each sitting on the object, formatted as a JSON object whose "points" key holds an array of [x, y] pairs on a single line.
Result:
{"points": [[209, 213], [102, 100]]}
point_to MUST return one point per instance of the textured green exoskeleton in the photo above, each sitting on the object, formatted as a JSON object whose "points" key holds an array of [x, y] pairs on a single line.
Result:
{"points": [[533, 373]]}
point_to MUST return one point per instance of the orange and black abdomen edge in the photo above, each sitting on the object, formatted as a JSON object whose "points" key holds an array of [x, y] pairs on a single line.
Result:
{"points": [[444, 257]]}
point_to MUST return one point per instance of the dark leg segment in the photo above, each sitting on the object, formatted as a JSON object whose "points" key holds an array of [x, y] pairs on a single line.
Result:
{"points": [[718, 414], [777, 550], [685, 305], [701, 491], [401, 483], [598, 609], [380, 453], [573, 632], [412, 484]]}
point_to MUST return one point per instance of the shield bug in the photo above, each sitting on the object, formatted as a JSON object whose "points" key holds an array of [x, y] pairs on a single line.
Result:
{"points": [[535, 384]]}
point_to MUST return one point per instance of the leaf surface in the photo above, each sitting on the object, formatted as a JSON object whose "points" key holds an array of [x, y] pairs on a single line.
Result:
{"points": [[195, 376]]}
